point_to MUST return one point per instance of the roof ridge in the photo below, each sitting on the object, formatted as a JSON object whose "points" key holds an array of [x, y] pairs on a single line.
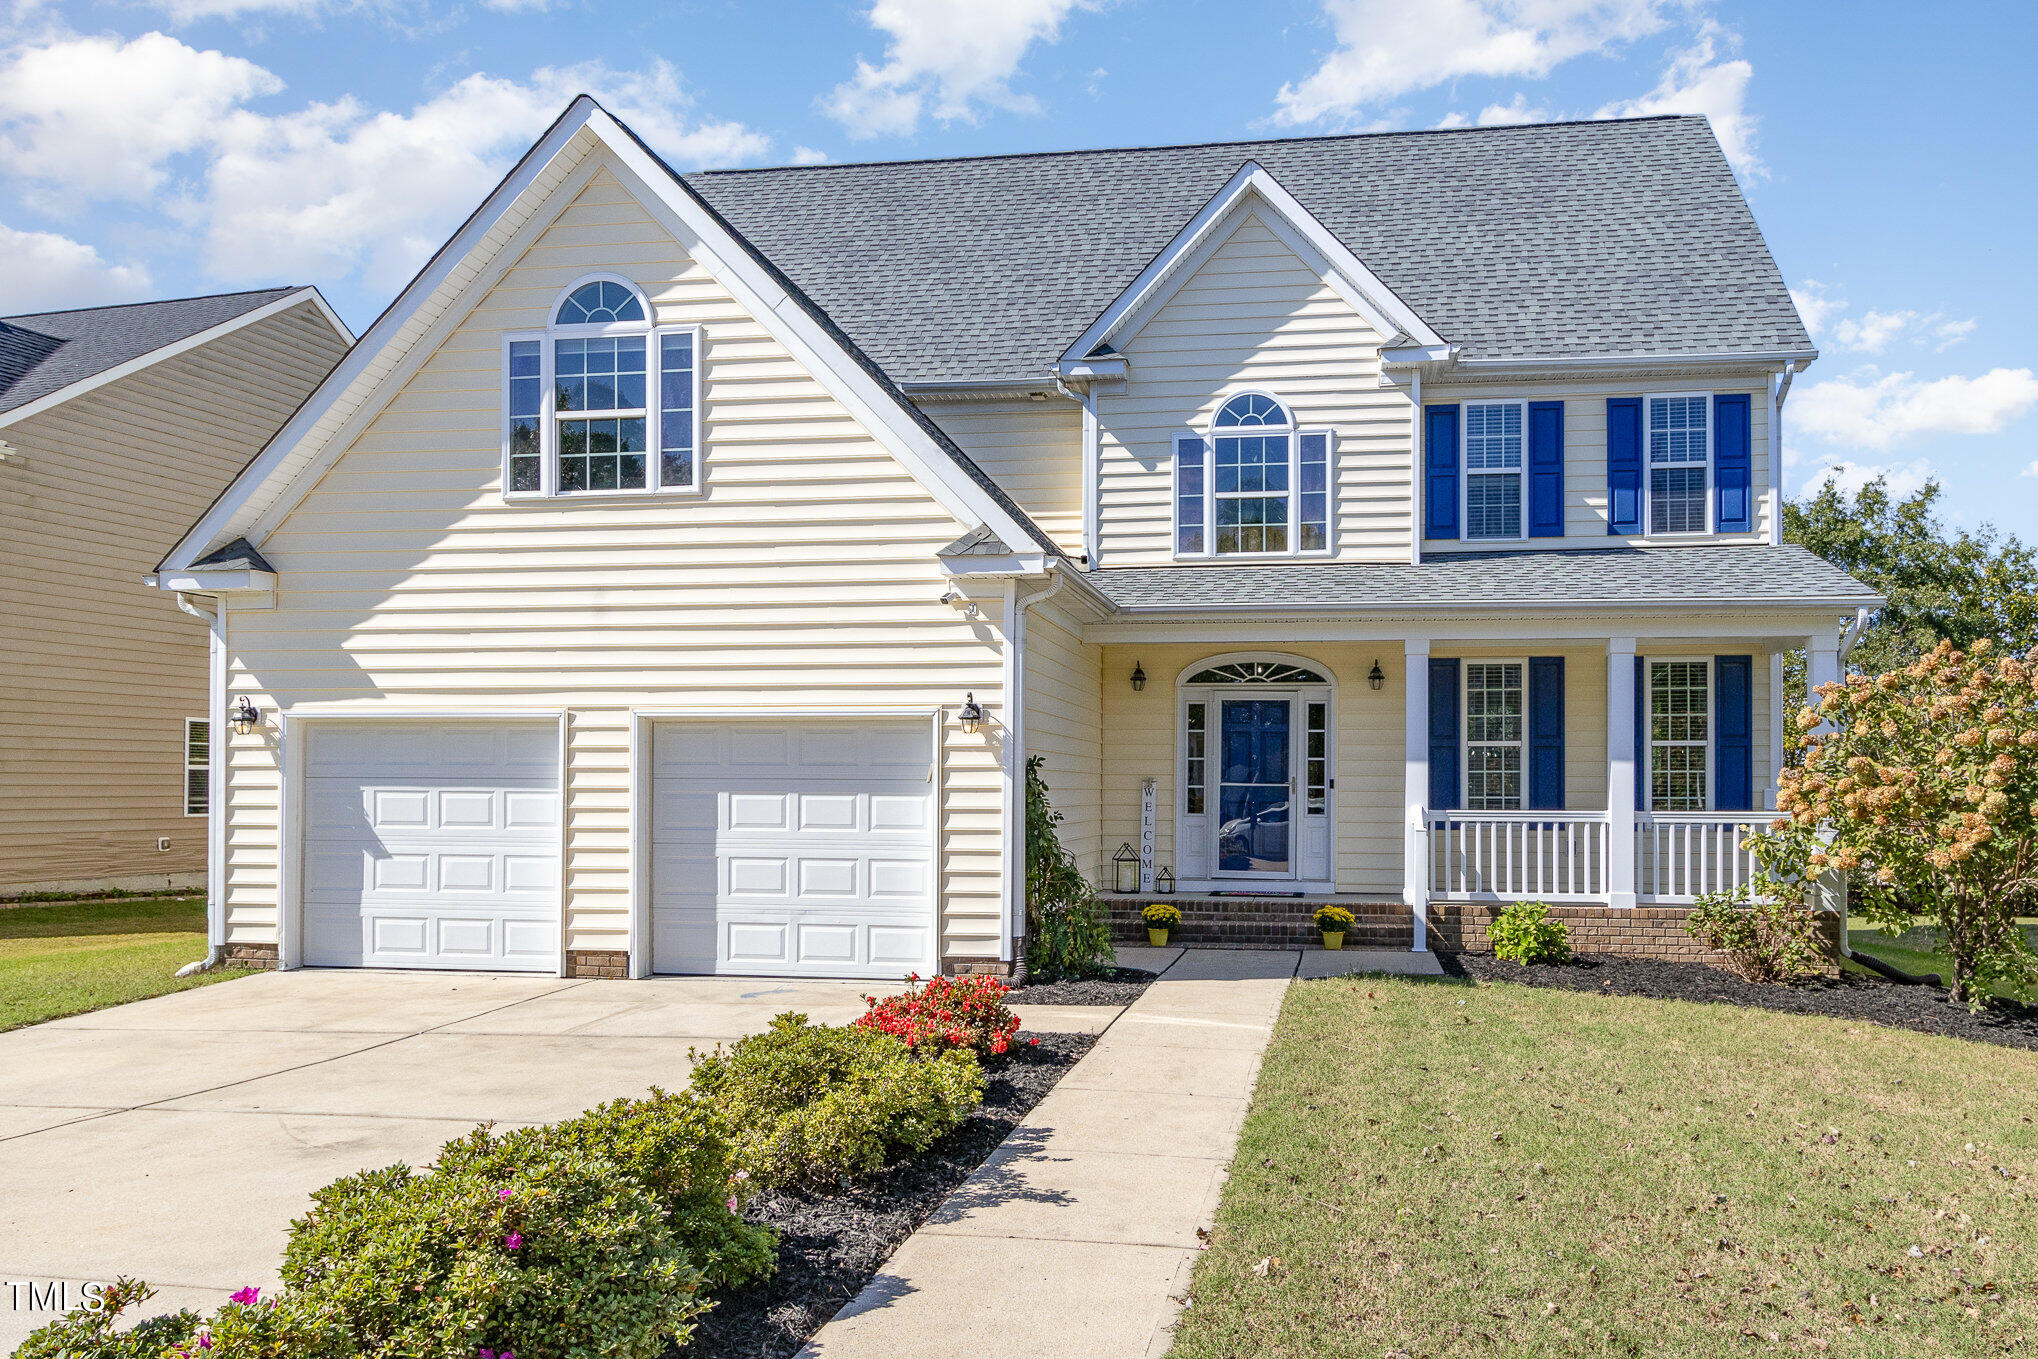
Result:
{"points": [[160, 301], [1194, 146]]}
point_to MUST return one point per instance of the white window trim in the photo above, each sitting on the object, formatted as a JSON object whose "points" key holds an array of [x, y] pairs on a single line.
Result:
{"points": [[654, 336], [1465, 469], [204, 765], [1465, 741], [1710, 497], [1647, 772], [1294, 431]]}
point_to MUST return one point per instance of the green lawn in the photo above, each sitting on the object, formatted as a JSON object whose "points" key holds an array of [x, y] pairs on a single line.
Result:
{"points": [[1916, 951], [1438, 1169], [65, 958]]}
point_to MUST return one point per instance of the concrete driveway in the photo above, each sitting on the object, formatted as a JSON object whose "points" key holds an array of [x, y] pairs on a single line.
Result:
{"points": [[174, 1139]]}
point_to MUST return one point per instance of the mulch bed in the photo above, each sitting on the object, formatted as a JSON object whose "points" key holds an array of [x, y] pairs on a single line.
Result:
{"points": [[1924, 1009], [832, 1244], [1119, 986]]}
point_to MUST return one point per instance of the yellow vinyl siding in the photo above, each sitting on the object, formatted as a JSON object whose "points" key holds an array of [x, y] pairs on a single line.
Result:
{"points": [[1063, 687], [101, 671], [805, 577], [1032, 449], [1254, 315]]}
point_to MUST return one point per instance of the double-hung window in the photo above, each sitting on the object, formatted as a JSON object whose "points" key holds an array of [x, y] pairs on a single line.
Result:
{"points": [[197, 766], [1494, 724], [603, 402], [1680, 735], [1495, 443], [1257, 487], [1679, 433]]}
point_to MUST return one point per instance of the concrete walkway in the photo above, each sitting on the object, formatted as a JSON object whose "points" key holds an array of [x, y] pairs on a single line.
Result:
{"points": [[1077, 1237]]}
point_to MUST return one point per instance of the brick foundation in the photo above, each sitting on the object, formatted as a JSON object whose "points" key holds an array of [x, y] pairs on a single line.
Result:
{"points": [[1643, 932], [980, 967], [262, 956], [1262, 922], [610, 964]]}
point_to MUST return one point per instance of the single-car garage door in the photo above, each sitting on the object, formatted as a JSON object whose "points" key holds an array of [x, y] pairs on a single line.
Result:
{"points": [[793, 848], [431, 844]]}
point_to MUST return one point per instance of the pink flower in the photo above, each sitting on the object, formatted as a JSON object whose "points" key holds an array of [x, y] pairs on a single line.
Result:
{"points": [[732, 1203], [502, 1193], [246, 1297], [205, 1342], [487, 1354], [514, 1241]]}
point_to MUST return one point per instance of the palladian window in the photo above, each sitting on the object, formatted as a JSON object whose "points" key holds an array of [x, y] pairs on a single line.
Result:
{"points": [[1257, 487]]}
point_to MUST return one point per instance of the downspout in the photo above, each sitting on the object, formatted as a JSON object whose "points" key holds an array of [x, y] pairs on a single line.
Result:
{"points": [[215, 783], [1015, 733]]}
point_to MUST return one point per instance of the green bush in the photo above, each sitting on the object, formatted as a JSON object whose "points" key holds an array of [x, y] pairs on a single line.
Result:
{"points": [[87, 1332], [1774, 940], [1066, 933], [672, 1144], [565, 1256], [1524, 933], [811, 1105], [246, 1326]]}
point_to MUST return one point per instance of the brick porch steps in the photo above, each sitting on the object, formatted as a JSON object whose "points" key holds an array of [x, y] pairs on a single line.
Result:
{"points": [[1264, 922]]}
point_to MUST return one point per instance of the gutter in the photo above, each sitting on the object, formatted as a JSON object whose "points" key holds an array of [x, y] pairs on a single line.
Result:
{"points": [[215, 784]]}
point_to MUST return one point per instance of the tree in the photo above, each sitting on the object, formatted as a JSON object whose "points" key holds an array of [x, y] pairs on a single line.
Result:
{"points": [[1922, 782]]}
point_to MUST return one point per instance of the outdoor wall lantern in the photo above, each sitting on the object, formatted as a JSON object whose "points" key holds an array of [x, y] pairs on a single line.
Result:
{"points": [[971, 714], [1374, 677], [245, 717], [1164, 882], [1138, 677], [1125, 868]]}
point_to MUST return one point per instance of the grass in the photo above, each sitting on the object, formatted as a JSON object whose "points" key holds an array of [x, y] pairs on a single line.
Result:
{"points": [[1433, 1169], [70, 957], [1917, 951]]}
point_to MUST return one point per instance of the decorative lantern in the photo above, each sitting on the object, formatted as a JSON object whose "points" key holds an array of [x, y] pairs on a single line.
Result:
{"points": [[245, 717], [1164, 882], [1374, 677], [1125, 868], [1138, 677], [971, 714]]}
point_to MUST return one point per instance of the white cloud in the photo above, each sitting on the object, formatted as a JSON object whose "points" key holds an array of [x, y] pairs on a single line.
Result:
{"points": [[1874, 331], [1880, 411], [1697, 81], [42, 271], [100, 118], [191, 11], [2031, 471], [1903, 479], [1517, 111], [1386, 48], [947, 59], [1814, 306], [1950, 333], [807, 155]]}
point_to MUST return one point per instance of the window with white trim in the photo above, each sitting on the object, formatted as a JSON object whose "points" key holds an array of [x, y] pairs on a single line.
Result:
{"points": [[1495, 442], [1257, 487], [1493, 736], [1195, 775], [1680, 735], [1679, 430], [197, 766], [604, 402]]}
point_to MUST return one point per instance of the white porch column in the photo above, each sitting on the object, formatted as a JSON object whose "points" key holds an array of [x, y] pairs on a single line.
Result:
{"points": [[1415, 839], [1822, 666], [1620, 772]]}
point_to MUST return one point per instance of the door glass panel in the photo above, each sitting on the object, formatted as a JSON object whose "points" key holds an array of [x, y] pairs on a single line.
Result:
{"points": [[1253, 793]]}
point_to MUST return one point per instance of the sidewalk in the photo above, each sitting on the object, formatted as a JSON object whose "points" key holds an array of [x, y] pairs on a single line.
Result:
{"points": [[1077, 1237]]}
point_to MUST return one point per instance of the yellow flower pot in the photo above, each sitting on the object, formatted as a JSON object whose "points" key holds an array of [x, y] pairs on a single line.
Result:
{"points": [[1158, 938], [1333, 940]]}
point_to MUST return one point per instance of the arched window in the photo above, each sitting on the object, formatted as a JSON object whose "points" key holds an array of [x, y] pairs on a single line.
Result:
{"points": [[603, 402], [1257, 487], [1256, 672]]}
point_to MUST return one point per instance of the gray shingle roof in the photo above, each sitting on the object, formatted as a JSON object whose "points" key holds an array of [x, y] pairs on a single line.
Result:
{"points": [[978, 542], [238, 555], [1736, 575], [1560, 239], [45, 352]]}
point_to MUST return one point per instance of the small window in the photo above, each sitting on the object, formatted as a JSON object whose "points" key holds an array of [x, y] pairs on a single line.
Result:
{"points": [[1189, 496], [1317, 756], [1493, 736], [197, 766], [1680, 735], [1494, 435], [1194, 775], [1680, 448]]}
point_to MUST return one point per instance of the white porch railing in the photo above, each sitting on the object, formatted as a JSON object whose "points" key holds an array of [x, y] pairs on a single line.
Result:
{"points": [[1681, 856], [1517, 856]]}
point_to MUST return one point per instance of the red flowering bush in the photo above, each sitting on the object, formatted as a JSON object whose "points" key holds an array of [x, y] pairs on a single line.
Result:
{"points": [[947, 1012]]}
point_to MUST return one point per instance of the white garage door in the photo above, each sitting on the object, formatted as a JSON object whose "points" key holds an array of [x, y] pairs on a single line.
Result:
{"points": [[793, 848], [432, 845]]}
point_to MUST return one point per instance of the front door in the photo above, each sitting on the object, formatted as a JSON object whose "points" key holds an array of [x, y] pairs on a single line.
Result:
{"points": [[1255, 787]]}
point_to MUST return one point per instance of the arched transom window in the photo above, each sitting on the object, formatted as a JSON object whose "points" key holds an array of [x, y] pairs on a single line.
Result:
{"points": [[1258, 486], [604, 402], [1257, 672]]}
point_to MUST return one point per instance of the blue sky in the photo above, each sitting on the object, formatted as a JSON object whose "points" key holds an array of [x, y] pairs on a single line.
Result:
{"points": [[155, 148]]}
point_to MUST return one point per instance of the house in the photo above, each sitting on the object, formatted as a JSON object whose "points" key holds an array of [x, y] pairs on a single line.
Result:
{"points": [[118, 426], [678, 575]]}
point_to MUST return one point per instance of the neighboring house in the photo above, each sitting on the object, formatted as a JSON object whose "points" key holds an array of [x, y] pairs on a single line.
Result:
{"points": [[118, 426], [677, 576]]}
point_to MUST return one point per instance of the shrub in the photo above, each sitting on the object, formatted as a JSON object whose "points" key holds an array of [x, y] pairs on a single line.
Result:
{"points": [[958, 1012], [1161, 916], [1524, 933], [246, 1326], [1334, 919], [1066, 933], [811, 1105], [87, 1332], [1769, 941], [672, 1144], [565, 1256]]}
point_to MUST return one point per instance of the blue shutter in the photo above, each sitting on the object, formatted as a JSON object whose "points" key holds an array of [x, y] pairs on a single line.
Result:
{"points": [[1443, 734], [1733, 740], [1641, 728], [1623, 464], [1546, 469], [1546, 733], [1440, 471], [1733, 464]]}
